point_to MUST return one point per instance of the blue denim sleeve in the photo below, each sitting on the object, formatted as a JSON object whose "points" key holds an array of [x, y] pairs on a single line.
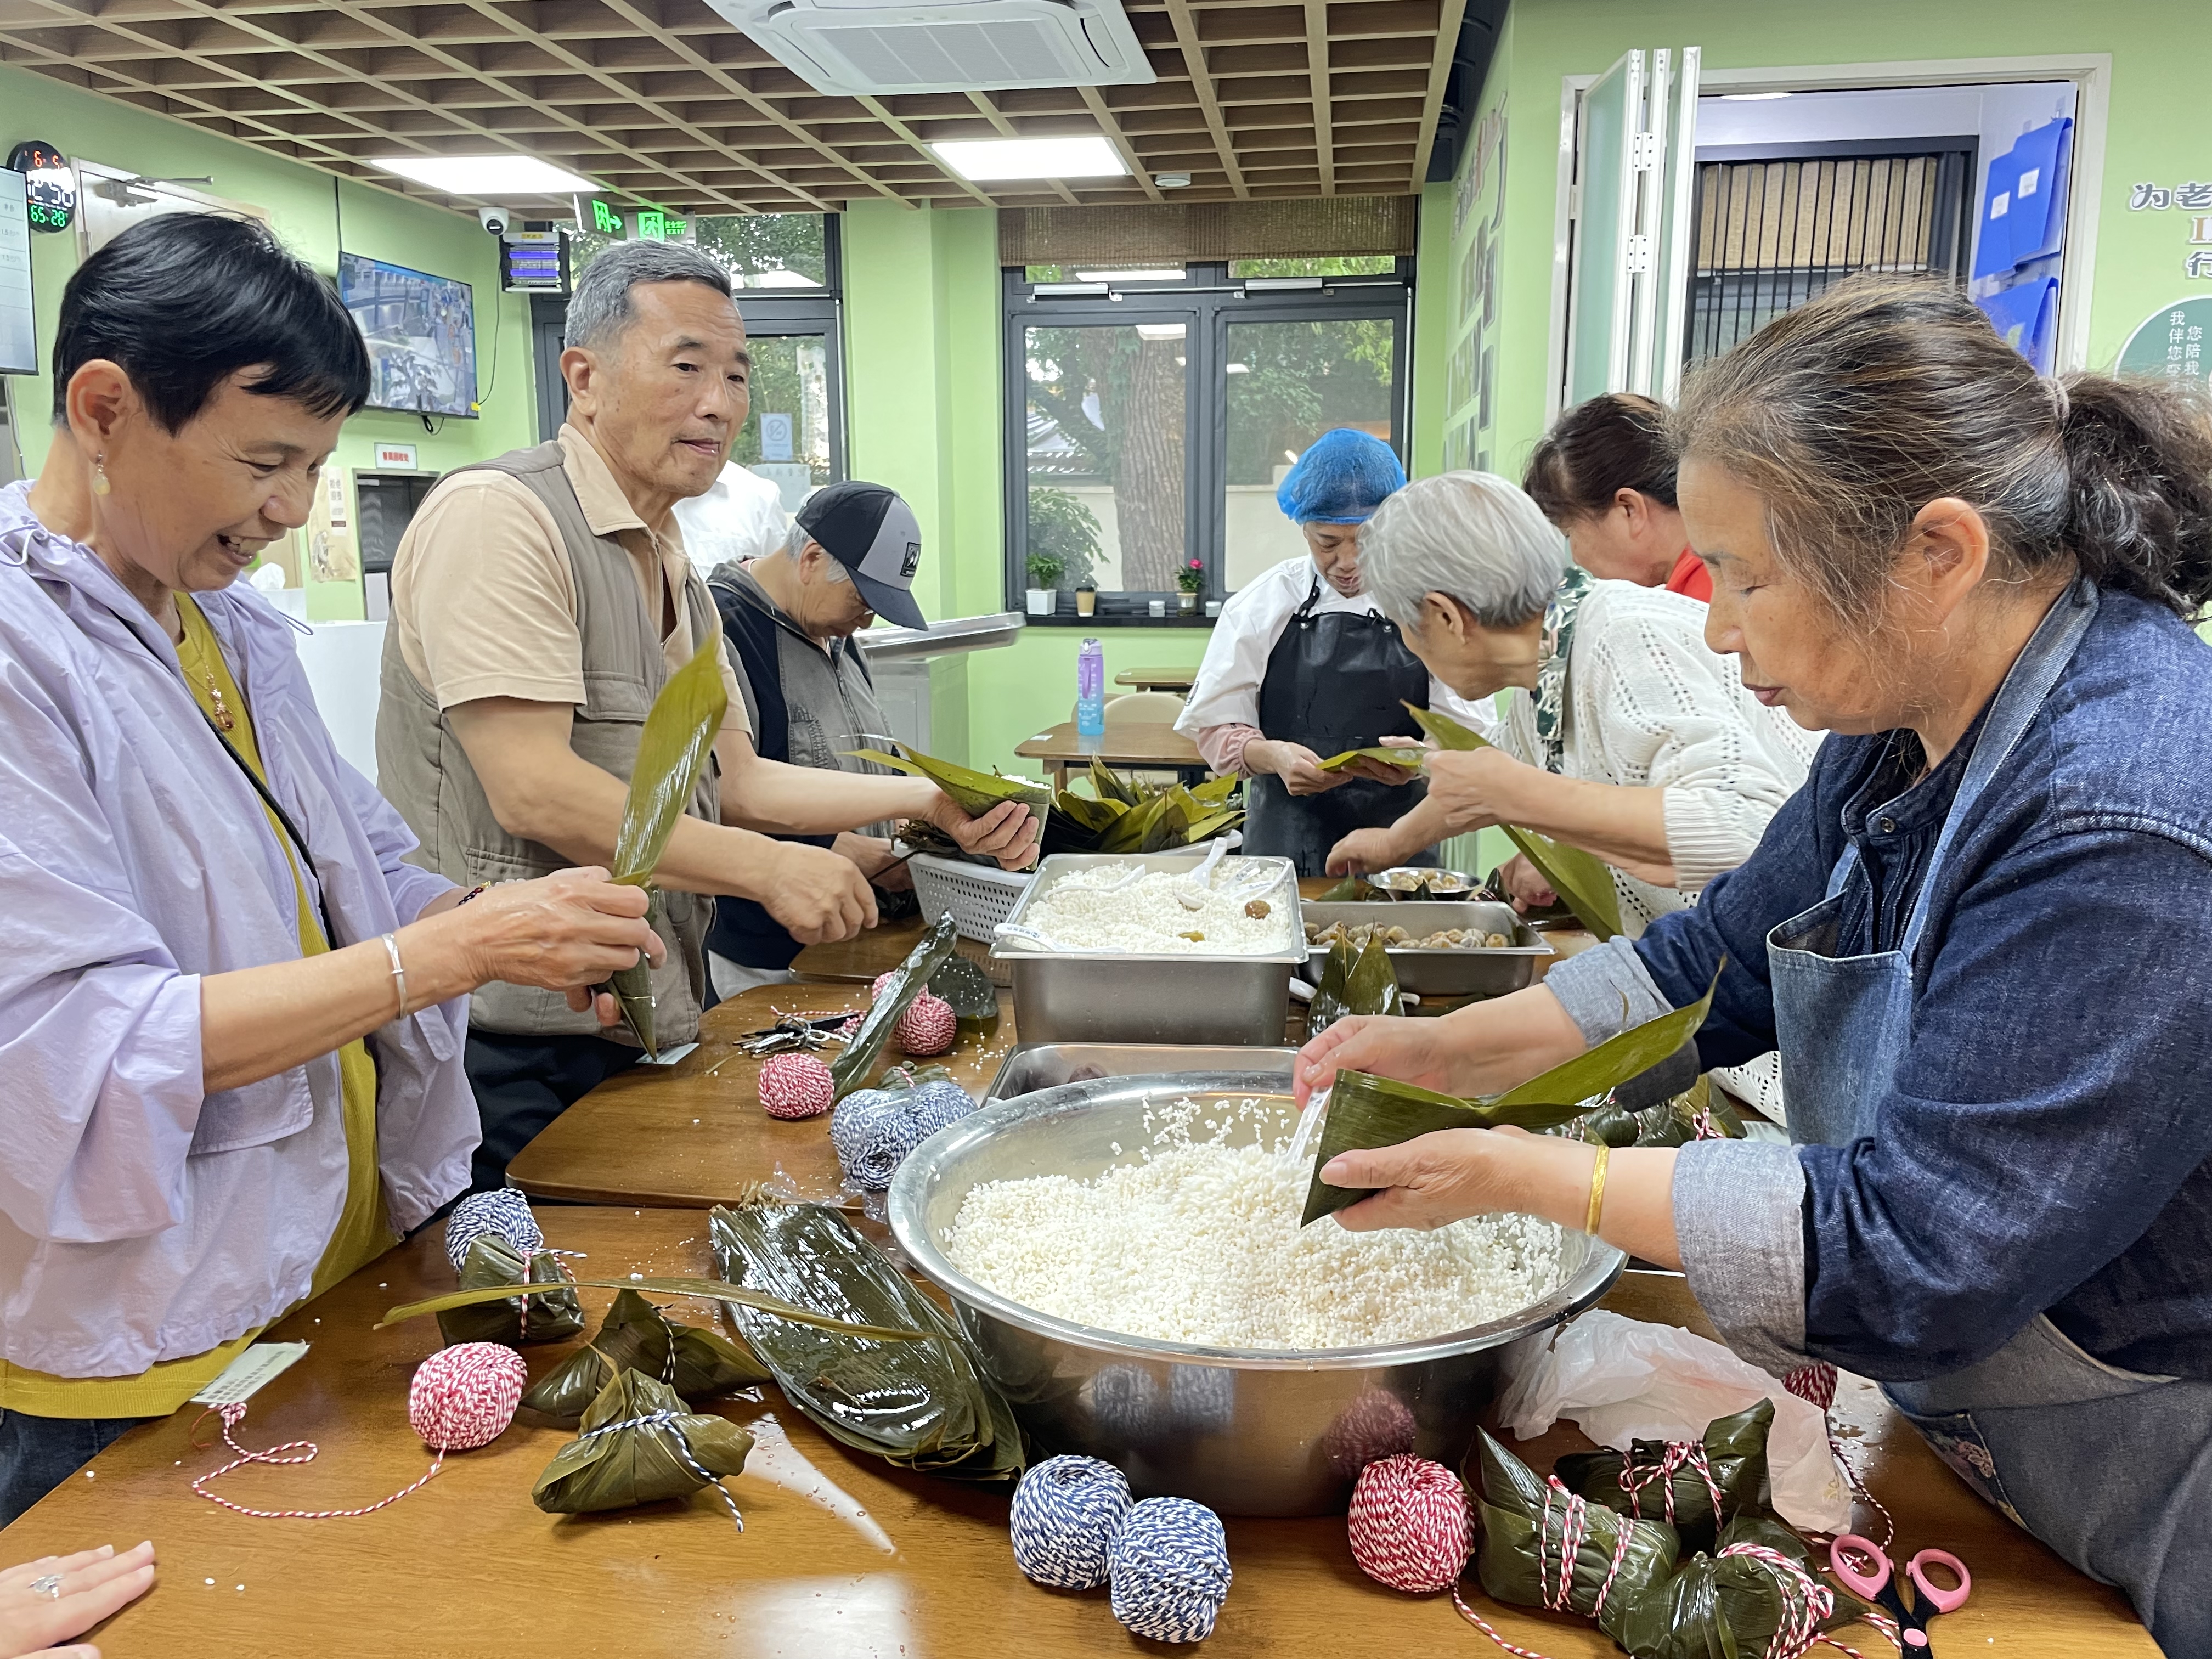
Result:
{"points": [[2050, 1105], [1787, 874]]}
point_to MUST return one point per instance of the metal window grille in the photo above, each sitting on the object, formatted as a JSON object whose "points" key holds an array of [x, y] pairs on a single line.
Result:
{"points": [[1776, 228]]}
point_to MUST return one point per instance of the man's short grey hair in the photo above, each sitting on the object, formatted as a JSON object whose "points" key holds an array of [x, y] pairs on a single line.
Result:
{"points": [[794, 543], [599, 309], [1471, 536]]}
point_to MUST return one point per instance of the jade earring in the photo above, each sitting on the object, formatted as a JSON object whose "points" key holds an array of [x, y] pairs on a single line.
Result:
{"points": [[100, 483]]}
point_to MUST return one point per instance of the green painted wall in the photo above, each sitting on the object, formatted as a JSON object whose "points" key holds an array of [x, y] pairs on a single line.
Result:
{"points": [[305, 208], [2153, 133]]}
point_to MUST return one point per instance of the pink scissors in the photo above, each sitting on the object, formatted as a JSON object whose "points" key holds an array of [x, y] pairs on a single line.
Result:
{"points": [[1875, 1584]]}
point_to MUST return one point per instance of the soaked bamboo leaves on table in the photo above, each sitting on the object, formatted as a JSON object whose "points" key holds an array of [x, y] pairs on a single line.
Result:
{"points": [[974, 1000], [1582, 881], [1523, 1557], [905, 981], [639, 1445], [924, 1405], [493, 1264], [712, 1290], [1366, 1111], [1647, 1483], [699, 1364]]}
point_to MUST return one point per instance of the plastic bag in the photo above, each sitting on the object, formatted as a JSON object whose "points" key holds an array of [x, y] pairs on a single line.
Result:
{"points": [[1621, 1380]]}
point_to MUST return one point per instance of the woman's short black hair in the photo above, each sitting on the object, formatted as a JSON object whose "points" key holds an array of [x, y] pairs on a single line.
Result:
{"points": [[184, 300]]}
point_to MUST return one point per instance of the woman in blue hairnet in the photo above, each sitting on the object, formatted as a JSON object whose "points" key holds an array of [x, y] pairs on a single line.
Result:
{"points": [[1303, 666]]}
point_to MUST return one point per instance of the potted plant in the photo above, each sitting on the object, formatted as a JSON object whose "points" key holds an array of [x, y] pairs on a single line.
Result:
{"points": [[1063, 545], [1190, 581], [1086, 598], [1045, 577]]}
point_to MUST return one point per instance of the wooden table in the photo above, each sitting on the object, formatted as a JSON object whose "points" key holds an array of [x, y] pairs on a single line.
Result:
{"points": [[1158, 679], [841, 1558], [693, 1134], [1140, 743]]}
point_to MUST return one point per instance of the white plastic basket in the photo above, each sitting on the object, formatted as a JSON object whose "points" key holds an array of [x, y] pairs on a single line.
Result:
{"points": [[979, 897]]}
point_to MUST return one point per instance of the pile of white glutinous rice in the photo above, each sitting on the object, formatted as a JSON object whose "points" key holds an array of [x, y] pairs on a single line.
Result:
{"points": [[1161, 913], [1199, 1242]]}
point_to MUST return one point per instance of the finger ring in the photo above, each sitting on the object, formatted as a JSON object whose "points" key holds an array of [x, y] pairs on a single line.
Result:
{"points": [[50, 1587]]}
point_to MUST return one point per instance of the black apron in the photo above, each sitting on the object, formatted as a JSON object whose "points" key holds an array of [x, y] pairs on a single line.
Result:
{"points": [[1334, 682]]}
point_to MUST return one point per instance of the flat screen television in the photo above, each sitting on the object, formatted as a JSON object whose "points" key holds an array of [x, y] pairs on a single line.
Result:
{"points": [[422, 336]]}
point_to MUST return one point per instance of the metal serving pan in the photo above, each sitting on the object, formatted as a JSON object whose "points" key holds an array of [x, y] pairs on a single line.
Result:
{"points": [[1114, 996], [1461, 972], [1029, 1067]]}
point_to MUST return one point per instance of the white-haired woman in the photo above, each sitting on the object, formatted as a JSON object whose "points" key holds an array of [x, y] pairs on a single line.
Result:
{"points": [[1630, 739]]}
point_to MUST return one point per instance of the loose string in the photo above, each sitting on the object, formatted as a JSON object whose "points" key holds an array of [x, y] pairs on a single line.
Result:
{"points": [[1680, 1454], [1816, 1385], [668, 1420], [232, 1415]]}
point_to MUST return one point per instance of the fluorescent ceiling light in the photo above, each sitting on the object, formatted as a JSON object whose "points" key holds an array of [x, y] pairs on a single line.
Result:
{"points": [[1090, 157], [1750, 97], [486, 175], [1173, 274]]}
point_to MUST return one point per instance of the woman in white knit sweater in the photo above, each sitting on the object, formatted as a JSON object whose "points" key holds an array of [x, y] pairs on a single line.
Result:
{"points": [[1631, 738]]}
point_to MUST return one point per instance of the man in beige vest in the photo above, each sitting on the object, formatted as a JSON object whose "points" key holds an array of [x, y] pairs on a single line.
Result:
{"points": [[539, 602]]}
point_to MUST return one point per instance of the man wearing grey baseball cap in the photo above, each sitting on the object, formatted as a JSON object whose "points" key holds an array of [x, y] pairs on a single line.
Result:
{"points": [[789, 619]]}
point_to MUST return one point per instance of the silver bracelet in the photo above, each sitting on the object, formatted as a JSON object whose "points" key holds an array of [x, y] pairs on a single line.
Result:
{"points": [[398, 971]]}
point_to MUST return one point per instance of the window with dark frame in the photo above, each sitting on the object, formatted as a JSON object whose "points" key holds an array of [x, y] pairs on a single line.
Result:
{"points": [[787, 269], [1149, 413]]}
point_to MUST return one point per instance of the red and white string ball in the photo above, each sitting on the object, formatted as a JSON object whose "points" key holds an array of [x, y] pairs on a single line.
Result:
{"points": [[928, 1026], [464, 1396], [796, 1085], [1409, 1524]]}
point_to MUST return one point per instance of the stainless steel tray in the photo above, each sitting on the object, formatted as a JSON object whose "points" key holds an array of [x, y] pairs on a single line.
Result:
{"points": [[1459, 972], [1112, 996], [1032, 1065]]}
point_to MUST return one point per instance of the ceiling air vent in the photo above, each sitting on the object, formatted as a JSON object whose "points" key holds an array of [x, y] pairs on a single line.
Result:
{"points": [[968, 45]]}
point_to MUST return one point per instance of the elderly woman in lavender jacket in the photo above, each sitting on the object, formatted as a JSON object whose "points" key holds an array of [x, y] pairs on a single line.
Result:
{"points": [[231, 1014]]}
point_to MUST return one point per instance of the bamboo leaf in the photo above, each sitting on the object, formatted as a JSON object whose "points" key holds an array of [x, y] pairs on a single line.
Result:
{"points": [[908, 980], [1366, 1111], [1409, 759], [679, 733], [1582, 881], [974, 792], [1109, 785], [714, 1290]]}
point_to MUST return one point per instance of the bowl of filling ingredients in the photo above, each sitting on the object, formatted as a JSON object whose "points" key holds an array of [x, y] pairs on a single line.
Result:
{"points": [[1186, 947], [1407, 881], [1125, 1255], [1437, 947]]}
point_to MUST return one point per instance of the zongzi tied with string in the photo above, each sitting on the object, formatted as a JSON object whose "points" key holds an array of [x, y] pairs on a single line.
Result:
{"points": [[1695, 1487], [551, 1317], [925, 1404], [639, 1444], [1544, 1546], [1734, 1603], [1367, 1111], [699, 1364], [1702, 1113]]}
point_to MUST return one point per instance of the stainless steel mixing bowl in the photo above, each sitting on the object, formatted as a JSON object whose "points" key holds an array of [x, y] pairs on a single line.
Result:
{"points": [[1247, 1432]]}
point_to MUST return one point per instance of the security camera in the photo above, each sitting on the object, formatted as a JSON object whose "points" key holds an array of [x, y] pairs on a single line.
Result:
{"points": [[494, 220]]}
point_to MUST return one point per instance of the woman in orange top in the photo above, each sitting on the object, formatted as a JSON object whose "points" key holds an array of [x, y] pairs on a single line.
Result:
{"points": [[1603, 475]]}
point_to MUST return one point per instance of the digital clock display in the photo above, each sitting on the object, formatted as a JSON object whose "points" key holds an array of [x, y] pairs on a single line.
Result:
{"points": [[49, 185]]}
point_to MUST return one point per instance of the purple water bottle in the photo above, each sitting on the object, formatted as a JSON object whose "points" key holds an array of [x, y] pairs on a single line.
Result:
{"points": [[1090, 690]]}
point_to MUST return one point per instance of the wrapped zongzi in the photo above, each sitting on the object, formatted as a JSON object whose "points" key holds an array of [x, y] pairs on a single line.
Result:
{"points": [[923, 1405], [552, 1317], [1715, 1606], [1695, 1486], [699, 1364], [1362, 984], [639, 1445], [1527, 1526]]}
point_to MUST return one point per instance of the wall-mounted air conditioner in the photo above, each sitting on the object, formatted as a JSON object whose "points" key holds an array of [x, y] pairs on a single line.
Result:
{"points": [[965, 45]]}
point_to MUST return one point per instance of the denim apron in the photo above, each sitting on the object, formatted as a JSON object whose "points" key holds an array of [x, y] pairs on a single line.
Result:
{"points": [[2109, 1467]]}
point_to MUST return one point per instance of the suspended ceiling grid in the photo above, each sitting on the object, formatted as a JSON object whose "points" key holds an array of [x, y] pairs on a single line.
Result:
{"points": [[665, 103]]}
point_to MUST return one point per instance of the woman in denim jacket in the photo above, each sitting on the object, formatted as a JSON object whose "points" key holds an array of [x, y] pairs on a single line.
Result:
{"points": [[1978, 937], [231, 1013]]}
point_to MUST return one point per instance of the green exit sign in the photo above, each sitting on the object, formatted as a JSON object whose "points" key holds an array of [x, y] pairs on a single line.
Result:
{"points": [[605, 220], [656, 225]]}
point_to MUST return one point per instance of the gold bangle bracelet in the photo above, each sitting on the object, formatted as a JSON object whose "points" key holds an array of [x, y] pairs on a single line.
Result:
{"points": [[1597, 1189]]}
